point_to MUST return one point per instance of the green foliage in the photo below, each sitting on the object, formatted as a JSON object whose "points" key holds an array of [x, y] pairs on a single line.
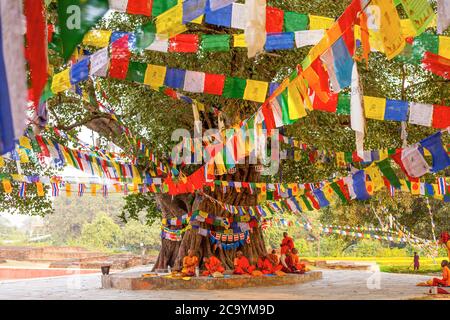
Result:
{"points": [[101, 233], [135, 233]]}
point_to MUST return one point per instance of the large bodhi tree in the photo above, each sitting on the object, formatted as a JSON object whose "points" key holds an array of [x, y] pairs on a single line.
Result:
{"points": [[153, 117]]}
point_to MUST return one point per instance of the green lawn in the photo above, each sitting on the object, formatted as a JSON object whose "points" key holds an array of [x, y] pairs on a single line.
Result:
{"points": [[393, 264]]}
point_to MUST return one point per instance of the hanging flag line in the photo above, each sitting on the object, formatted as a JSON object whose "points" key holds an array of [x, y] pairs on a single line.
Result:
{"points": [[156, 76]]}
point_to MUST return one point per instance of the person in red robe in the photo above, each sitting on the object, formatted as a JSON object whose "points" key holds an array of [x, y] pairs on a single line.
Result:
{"points": [[287, 243], [275, 261], [300, 267], [242, 265], [290, 265], [264, 265], [212, 265], [445, 281]]}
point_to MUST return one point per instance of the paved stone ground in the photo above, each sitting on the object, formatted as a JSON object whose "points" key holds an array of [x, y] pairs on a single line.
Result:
{"points": [[336, 284]]}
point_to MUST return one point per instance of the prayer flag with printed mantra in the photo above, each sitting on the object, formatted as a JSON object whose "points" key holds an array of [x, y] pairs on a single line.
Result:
{"points": [[274, 20], [214, 84], [187, 43], [120, 58], [155, 75]]}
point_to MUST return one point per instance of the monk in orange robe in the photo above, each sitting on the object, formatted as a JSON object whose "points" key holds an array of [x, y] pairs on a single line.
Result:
{"points": [[445, 241], [273, 257], [189, 264], [445, 281], [296, 261], [264, 265], [287, 243], [242, 265], [212, 265]]}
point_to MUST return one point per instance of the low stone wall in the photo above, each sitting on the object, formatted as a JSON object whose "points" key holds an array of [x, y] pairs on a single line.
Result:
{"points": [[135, 281]]}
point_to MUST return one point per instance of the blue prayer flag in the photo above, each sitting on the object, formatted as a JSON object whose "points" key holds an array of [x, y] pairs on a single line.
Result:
{"points": [[396, 110]]}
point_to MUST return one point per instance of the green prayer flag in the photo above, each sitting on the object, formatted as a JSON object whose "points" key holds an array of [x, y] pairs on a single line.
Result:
{"points": [[160, 6], [215, 42], [294, 21], [234, 88], [145, 35], [343, 107], [76, 17], [136, 72], [306, 201], [389, 173], [338, 191], [348, 156], [269, 195], [283, 101], [414, 53]]}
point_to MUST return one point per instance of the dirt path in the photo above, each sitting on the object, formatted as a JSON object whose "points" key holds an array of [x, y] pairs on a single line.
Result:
{"points": [[336, 284]]}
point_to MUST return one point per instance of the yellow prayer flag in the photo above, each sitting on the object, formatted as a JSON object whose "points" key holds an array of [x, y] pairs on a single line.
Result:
{"points": [[2, 162], [295, 103], [97, 38], [23, 156], [256, 90], [340, 159], [318, 22], [408, 29], [155, 75], [68, 190], [93, 189], [375, 176], [444, 46], [437, 195], [239, 41], [25, 142], [297, 155], [7, 186], [390, 28], [61, 81], [384, 153], [415, 188], [40, 189], [198, 20], [171, 21], [374, 108]]}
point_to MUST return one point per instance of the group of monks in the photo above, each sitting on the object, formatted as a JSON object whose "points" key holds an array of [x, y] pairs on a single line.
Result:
{"points": [[289, 262]]}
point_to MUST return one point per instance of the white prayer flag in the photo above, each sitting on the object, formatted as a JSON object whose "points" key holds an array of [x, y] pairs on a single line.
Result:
{"points": [[118, 5], [219, 4], [160, 44], [308, 37], [413, 162], [239, 16], [443, 15], [357, 119], [255, 27], [194, 81], [99, 63], [421, 114]]}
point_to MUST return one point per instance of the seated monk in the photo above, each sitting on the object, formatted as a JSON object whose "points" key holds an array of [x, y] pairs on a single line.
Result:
{"points": [[273, 257], [290, 266], [189, 263], [287, 243], [445, 281], [242, 265], [264, 265], [296, 261], [212, 265]]}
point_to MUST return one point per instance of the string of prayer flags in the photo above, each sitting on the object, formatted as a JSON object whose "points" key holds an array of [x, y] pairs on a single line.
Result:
{"points": [[75, 18], [13, 79]]}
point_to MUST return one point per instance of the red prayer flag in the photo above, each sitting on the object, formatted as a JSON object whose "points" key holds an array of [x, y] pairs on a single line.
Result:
{"points": [[348, 18], [143, 7], [274, 20], [268, 117], [120, 58], [329, 106], [436, 64], [214, 84], [186, 43], [36, 48], [441, 117]]}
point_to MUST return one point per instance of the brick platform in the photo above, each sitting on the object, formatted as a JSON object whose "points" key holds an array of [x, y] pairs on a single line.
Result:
{"points": [[135, 281]]}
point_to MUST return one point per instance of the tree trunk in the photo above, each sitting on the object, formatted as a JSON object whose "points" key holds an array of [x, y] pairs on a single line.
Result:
{"points": [[172, 252]]}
